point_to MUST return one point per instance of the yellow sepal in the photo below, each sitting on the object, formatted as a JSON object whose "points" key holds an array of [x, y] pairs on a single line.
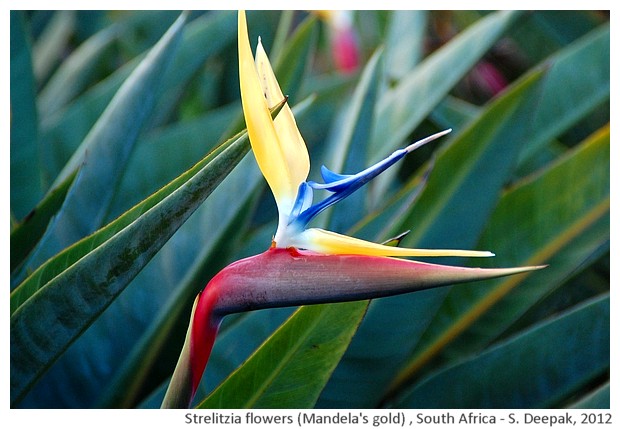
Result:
{"points": [[278, 148], [329, 242], [291, 142]]}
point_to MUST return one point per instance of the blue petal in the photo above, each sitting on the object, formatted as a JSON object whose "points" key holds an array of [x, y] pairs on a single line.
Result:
{"points": [[343, 185], [340, 182], [330, 176], [302, 202]]}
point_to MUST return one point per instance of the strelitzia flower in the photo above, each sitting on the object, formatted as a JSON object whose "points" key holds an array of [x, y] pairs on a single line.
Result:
{"points": [[302, 265], [283, 159]]}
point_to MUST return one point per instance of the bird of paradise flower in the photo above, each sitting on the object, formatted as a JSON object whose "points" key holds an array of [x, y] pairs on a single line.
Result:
{"points": [[302, 265]]}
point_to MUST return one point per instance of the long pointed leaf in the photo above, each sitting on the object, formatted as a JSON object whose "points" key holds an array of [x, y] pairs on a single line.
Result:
{"points": [[450, 212], [547, 364], [103, 154], [405, 42], [291, 368], [598, 399], [48, 48], [402, 108], [564, 232], [86, 288], [71, 76], [557, 109]]}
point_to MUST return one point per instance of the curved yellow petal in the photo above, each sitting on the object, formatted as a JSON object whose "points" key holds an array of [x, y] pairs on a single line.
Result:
{"points": [[270, 142], [291, 142], [329, 242]]}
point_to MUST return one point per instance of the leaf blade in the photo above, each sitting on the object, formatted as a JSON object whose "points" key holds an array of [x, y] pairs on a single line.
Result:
{"points": [[107, 270], [559, 356], [103, 154], [575, 223], [311, 338], [25, 186], [431, 80], [394, 325]]}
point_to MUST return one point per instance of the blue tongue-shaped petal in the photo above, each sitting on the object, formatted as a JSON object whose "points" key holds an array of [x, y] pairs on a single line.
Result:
{"points": [[343, 185], [302, 202], [329, 176]]}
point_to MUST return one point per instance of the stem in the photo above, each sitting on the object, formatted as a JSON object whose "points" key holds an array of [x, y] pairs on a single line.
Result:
{"points": [[199, 340]]}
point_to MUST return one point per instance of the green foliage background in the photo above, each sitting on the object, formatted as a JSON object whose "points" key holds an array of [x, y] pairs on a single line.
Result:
{"points": [[130, 188]]}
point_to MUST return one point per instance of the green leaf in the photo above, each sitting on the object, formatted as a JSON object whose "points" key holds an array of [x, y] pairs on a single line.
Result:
{"points": [[73, 73], [25, 180], [285, 24], [293, 365], [449, 213], [454, 113], [300, 47], [102, 156], [539, 368], [84, 289], [49, 46], [545, 31], [27, 233], [69, 256], [203, 38], [540, 221], [404, 45], [403, 107], [556, 110], [157, 159]]}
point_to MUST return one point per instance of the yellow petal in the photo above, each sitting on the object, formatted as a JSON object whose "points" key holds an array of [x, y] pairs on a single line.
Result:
{"points": [[291, 142], [261, 130], [329, 242]]}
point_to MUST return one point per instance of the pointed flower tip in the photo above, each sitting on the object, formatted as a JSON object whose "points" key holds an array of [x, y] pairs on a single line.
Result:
{"points": [[522, 270], [425, 140]]}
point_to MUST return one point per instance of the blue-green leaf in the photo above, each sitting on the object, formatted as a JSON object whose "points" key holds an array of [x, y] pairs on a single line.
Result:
{"points": [[565, 231], [72, 74], [40, 332], [50, 44], [450, 212], [538, 368], [103, 154], [403, 107], [25, 180], [293, 365]]}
